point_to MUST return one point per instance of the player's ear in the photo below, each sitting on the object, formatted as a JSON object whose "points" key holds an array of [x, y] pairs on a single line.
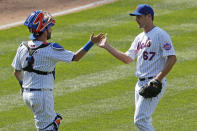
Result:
{"points": [[149, 16]]}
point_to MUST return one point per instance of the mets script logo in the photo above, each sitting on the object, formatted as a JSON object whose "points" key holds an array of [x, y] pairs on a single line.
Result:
{"points": [[142, 45]]}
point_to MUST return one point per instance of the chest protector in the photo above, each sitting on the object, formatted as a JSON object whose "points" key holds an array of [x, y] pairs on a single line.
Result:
{"points": [[30, 59]]}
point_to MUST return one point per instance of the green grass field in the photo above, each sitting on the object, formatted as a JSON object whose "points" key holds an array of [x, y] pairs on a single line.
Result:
{"points": [[97, 93]]}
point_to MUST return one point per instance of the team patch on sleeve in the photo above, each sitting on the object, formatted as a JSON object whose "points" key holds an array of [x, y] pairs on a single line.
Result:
{"points": [[167, 46], [57, 47]]}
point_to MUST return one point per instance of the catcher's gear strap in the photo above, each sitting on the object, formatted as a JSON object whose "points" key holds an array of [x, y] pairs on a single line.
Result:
{"points": [[32, 50], [30, 59]]}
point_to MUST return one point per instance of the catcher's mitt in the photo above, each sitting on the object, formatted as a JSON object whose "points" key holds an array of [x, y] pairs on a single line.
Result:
{"points": [[152, 89]]}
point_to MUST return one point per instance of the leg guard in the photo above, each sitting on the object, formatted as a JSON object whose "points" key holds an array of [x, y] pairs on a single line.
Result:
{"points": [[55, 123]]}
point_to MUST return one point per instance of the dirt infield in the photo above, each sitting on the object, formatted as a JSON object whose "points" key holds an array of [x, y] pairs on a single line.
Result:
{"points": [[16, 10]]}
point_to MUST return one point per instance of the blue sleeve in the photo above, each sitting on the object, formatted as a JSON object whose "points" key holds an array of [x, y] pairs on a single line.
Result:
{"points": [[60, 54]]}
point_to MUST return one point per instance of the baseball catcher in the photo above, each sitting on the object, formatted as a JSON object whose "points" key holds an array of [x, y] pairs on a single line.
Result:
{"points": [[151, 89], [34, 67]]}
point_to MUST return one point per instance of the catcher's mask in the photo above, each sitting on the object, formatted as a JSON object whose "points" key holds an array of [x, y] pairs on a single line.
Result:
{"points": [[38, 21]]}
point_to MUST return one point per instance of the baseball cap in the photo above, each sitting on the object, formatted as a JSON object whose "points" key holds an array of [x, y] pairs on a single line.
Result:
{"points": [[143, 9]]}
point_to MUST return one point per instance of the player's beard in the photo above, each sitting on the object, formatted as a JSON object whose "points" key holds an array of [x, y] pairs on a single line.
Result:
{"points": [[48, 35], [141, 25]]}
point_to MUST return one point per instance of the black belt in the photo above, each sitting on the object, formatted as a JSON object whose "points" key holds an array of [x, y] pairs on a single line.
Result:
{"points": [[32, 89], [143, 79]]}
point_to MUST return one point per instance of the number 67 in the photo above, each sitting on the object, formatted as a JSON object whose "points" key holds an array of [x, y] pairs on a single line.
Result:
{"points": [[146, 55]]}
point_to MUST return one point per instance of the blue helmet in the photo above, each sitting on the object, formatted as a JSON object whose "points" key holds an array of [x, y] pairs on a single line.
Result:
{"points": [[38, 21]]}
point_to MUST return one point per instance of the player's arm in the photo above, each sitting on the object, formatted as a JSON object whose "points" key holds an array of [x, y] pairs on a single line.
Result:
{"points": [[116, 53], [16, 64], [171, 60], [19, 76], [81, 52]]}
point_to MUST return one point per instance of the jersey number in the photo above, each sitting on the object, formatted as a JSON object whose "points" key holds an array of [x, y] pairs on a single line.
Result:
{"points": [[148, 55]]}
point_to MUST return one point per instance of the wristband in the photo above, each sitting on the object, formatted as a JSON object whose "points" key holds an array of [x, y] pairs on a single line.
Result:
{"points": [[21, 83], [87, 46]]}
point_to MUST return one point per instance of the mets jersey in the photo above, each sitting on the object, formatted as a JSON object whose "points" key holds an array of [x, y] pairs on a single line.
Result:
{"points": [[151, 49], [45, 60]]}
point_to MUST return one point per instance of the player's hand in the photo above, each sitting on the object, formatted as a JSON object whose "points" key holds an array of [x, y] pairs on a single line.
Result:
{"points": [[104, 42], [96, 39]]}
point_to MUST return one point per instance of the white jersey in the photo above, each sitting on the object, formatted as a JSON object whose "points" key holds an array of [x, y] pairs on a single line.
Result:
{"points": [[151, 50], [45, 60]]}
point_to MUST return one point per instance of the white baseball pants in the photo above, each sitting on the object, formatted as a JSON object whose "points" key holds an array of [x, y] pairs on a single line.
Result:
{"points": [[144, 108], [42, 105]]}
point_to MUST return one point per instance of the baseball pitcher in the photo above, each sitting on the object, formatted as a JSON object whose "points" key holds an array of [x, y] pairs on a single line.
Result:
{"points": [[34, 68], [155, 57]]}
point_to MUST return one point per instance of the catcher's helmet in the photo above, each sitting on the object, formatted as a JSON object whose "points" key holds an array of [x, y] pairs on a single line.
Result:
{"points": [[38, 21]]}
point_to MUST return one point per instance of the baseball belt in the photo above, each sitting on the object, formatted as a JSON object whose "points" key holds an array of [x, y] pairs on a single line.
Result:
{"points": [[147, 78]]}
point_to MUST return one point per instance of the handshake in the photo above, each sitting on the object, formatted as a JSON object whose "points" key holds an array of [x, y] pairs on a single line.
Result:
{"points": [[100, 40]]}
